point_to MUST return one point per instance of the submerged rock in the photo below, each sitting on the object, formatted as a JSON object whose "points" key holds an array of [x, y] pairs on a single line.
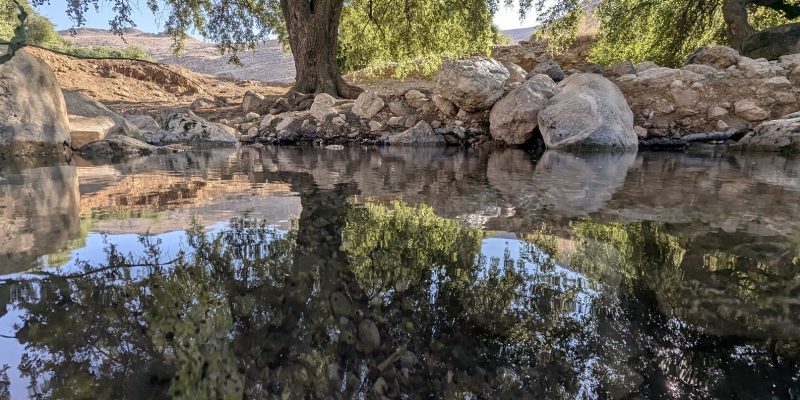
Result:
{"points": [[33, 115], [589, 112], [474, 84]]}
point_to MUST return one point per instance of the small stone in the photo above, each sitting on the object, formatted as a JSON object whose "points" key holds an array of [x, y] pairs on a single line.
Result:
{"points": [[644, 66], [517, 74], [719, 57], [436, 124], [322, 107], [716, 112], [399, 108], [251, 116], [416, 98], [445, 106], [721, 125], [267, 121], [771, 85], [748, 110], [253, 102], [794, 76], [308, 127], [411, 120], [375, 126], [641, 132], [368, 336], [341, 305], [334, 147], [201, 102], [665, 108], [397, 121], [784, 98], [252, 132], [284, 124], [367, 105], [549, 68], [622, 68], [338, 121]]}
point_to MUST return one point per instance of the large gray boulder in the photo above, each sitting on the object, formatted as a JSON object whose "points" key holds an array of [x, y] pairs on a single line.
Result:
{"points": [[182, 126], [589, 113], [474, 84], [33, 117], [776, 135], [514, 118], [89, 120], [420, 134]]}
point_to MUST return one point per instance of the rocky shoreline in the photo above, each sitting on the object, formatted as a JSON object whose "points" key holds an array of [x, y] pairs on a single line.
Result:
{"points": [[520, 98]]}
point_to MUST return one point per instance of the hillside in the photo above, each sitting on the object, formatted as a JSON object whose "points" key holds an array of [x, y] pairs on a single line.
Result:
{"points": [[269, 63]]}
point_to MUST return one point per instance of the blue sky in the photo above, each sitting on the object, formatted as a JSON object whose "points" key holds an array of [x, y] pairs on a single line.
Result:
{"points": [[146, 21]]}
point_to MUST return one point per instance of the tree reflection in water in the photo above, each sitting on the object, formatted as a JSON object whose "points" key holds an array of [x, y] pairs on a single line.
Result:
{"points": [[394, 301]]}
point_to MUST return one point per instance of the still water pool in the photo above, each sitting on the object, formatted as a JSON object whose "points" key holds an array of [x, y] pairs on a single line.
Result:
{"points": [[396, 273]]}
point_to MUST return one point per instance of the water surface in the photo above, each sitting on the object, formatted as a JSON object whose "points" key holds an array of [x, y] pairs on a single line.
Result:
{"points": [[398, 273]]}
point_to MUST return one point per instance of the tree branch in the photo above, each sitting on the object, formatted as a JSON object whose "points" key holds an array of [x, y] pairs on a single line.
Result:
{"points": [[790, 11]]}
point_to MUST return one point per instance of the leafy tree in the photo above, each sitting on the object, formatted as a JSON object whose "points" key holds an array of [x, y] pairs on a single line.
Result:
{"points": [[413, 36], [375, 31], [40, 31], [667, 31]]}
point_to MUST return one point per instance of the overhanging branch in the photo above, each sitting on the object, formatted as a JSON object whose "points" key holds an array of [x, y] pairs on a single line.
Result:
{"points": [[789, 10]]}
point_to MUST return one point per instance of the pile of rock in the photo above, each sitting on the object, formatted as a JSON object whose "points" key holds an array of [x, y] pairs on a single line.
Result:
{"points": [[474, 102], [717, 90], [408, 117]]}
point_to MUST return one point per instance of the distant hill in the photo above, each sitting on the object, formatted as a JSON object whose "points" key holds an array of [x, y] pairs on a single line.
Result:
{"points": [[517, 35], [269, 63]]}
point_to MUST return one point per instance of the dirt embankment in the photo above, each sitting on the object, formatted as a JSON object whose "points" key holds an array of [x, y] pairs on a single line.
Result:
{"points": [[134, 86]]}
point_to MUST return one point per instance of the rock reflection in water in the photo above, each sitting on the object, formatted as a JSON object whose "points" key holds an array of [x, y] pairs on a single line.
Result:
{"points": [[38, 214]]}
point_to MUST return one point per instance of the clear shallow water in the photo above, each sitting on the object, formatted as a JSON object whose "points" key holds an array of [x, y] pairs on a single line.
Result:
{"points": [[401, 273]]}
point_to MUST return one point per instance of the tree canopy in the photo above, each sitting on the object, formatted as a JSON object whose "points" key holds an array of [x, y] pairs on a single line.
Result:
{"points": [[664, 31]]}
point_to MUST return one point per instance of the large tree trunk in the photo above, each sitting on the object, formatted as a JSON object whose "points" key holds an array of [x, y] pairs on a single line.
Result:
{"points": [[739, 29], [770, 43], [313, 27]]}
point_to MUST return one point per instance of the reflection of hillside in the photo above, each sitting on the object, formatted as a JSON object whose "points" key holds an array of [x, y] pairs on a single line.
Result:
{"points": [[168, 194]]}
